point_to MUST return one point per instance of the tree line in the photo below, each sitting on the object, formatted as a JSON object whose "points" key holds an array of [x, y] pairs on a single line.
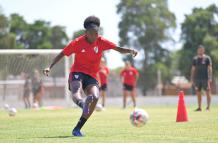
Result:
{"points": [[146, 25]]}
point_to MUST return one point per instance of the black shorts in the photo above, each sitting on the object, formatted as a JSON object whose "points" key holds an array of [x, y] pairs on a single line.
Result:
{"points": [[201, 84], [103, 87], [128, 87], [85, 79]]}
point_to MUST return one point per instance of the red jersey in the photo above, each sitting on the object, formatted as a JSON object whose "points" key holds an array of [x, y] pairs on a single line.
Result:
{"points": [[103, 74], [129, 76], [87, 56]]}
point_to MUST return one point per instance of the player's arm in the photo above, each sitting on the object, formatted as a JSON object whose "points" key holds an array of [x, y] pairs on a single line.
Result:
{"points": [[126, 51], [210, 71], [55, 60]]}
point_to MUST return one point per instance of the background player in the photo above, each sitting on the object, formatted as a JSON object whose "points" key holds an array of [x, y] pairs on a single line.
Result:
{"points": [[129, 77], [201, 76], [37, 89], [88, 50], [103, 75]]}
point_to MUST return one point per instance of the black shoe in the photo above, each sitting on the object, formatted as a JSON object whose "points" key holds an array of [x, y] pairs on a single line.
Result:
{"points": [[198, 110], [207, 109]]}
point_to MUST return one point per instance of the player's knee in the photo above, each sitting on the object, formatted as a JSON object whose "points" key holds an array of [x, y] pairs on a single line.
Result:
{"points": [[92, 98], [96, 96], [74, 99]]}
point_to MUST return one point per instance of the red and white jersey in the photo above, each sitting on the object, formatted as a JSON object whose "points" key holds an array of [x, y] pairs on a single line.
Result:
{"points": [[87, 56], [129, 76]]}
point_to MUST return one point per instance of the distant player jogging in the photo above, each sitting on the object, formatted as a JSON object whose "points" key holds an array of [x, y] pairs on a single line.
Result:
{"points": [[129, 77], [201, 76], [88, 50]]}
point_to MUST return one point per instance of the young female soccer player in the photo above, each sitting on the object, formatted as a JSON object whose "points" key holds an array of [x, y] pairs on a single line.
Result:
{"points": [[129, 78], [88, 51]]}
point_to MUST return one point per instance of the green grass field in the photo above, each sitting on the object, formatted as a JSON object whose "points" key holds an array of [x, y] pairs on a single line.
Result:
{"points": [[109, 126]]}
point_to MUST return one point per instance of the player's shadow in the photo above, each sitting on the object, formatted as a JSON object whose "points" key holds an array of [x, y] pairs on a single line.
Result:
{"points": [[57, 137]]}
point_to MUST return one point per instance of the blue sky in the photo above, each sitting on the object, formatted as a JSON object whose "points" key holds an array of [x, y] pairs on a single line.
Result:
{"points": [[71, 14]]}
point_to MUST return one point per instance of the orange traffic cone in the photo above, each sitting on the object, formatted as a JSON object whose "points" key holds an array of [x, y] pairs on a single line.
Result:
{"points": [[181, 112]]}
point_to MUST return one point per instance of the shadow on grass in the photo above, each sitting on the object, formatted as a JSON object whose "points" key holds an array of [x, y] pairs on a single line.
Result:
{"points": [[52, 137], [60, 137]]}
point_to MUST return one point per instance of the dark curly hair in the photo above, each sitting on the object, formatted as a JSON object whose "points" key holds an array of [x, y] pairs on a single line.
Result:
{"points": [[91, 20]]}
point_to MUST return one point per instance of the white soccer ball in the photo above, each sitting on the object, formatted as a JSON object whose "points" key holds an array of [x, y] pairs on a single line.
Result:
{"points": [[98, 107], [12, 111], [139, 117]]}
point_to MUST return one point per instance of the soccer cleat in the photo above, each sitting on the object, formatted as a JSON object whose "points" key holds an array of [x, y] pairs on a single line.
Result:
{"points": [[207, 109], [198, 110], [77, 133]]}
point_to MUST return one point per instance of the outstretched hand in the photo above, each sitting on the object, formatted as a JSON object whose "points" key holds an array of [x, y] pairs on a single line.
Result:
{"points": [[133, 53], [46, 71]]}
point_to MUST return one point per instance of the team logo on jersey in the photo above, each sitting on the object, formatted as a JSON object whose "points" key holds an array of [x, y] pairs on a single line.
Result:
{"points": [[96, 50], [130, 73], [83, 51], [76, 76]]}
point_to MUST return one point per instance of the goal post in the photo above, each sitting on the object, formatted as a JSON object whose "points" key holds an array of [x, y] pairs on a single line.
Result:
{"points": [[15, 62]]}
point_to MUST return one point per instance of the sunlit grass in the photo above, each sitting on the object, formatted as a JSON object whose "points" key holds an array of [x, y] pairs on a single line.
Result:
{"points": [[111, 125]]}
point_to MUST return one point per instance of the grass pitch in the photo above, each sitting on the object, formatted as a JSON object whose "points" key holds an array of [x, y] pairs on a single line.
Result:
{"points": [[109, 126]]}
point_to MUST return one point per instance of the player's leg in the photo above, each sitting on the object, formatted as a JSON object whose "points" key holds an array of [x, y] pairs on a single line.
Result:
{"points": [[133, 96], [198, 87], [75, 86], [92, 92], [76, 94], [207, 88], [25, 101], [103, 94], [91, 89], [125, 94], [28, 101]]}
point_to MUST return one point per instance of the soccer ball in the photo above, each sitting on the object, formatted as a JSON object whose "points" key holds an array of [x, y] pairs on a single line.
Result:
{"points": [[138, 117], [99, 107], [12, 111]]}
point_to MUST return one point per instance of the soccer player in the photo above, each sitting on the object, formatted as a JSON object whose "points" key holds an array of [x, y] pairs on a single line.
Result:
{"points": [[201, 76], [103, 77], [88, 50], [37, 89], [129, 77]]}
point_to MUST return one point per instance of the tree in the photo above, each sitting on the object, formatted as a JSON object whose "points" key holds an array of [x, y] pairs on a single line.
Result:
{"points": [[58, 37], [19, 27], [145, 26], [7, 40], [38, 35], [200, 27]]}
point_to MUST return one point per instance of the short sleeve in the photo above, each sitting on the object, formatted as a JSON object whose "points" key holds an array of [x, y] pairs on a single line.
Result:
{"points": [[72, 47], [194, 61], [209, 61], [136, 72], [106, 44]]}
